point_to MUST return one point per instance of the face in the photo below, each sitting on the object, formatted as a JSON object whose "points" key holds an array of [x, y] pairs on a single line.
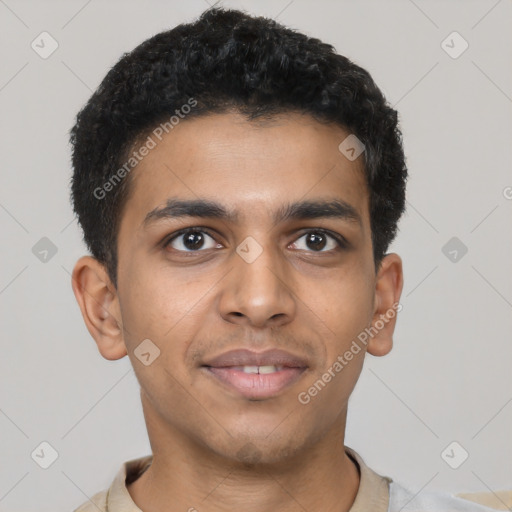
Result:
{"points": [[282, 261]]}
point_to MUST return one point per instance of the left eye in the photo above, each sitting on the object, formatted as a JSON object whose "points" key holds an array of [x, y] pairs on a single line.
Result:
{"points": [[318, 241]]}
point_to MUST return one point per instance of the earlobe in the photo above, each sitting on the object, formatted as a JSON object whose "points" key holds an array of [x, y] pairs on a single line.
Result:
{"points": [[388, 289], [99, 304]]}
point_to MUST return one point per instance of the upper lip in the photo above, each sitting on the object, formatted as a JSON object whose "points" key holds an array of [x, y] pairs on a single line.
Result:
{"points": [[245, 357]]}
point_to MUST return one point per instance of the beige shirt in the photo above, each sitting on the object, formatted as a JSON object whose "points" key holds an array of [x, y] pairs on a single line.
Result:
{"points": [[373, 494]]}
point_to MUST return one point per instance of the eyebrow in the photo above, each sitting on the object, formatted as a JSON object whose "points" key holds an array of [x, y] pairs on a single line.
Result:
{"points": [[202, 208]]}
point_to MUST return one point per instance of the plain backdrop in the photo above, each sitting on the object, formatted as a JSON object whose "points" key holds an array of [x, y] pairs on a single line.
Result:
{"points": [[448, 378]]}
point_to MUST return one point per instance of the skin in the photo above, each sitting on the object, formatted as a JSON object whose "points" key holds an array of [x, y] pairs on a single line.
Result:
{"points": [[213, 449]]}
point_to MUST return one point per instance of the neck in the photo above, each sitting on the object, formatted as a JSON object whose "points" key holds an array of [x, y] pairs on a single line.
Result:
{"points": [[187, 476]]}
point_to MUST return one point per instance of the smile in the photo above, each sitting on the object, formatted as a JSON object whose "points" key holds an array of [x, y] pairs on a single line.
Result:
{"points": [[255, 382]]}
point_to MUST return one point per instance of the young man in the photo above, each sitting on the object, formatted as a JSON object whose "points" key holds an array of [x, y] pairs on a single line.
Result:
{"points": [[238, 185]]}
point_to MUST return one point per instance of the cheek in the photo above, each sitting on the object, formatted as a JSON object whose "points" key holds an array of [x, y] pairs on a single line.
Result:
{"points": [[167, 307], [157, 299], [348, 311], [345, 305]]}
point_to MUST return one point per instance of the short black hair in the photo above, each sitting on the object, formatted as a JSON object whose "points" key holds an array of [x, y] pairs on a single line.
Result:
{"points": [[227, 60]]}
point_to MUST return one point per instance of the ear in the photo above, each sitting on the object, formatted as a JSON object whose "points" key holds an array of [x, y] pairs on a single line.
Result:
{"points": [[98, 301], [388, 289]]}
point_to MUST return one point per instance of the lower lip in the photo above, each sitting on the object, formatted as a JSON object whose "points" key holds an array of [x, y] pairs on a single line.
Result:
{"points": [[256, 385]]}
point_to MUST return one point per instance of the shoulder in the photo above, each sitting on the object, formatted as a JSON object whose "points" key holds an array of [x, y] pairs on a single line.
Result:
{"points": [[98, 503], [404, 500], [117, 497]]}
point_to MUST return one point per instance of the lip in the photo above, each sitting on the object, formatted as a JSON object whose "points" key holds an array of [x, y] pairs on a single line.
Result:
{"points": [[255, 386], [245, 357]]}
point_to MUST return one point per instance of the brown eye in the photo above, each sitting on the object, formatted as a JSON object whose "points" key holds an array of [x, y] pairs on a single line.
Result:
{"points": [[191, 240], [316, 241], [319, 241]]}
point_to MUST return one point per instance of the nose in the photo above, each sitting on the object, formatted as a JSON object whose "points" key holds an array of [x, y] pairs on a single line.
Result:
{"points": [[259, 292]]}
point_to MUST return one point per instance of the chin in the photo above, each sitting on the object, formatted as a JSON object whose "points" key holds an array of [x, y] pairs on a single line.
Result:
{"points": [[261, 453]]}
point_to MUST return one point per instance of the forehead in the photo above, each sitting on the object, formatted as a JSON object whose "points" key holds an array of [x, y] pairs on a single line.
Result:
{"points": [[254, 169]]}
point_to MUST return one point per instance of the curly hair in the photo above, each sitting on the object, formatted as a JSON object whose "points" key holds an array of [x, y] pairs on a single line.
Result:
{"points": [[225, 60]]}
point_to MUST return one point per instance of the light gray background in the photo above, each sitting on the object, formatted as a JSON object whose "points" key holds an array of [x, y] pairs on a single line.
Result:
{"points": [[449, 376]]}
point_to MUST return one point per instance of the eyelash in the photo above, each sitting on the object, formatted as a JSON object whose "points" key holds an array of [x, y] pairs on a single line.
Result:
{"points": [[339, 239]]}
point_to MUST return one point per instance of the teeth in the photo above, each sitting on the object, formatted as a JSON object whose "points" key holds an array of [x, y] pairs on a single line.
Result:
{"points": [[250, 369], [258, 369], [268, 369]]}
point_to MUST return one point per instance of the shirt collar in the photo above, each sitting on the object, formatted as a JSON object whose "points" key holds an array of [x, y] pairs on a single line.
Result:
{"points": [[373, 492]]}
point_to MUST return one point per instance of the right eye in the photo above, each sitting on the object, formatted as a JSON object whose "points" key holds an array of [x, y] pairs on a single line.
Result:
{"points": [[191, 240]]}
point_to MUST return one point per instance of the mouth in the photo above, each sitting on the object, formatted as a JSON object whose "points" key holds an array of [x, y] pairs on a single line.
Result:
{"points": [[256, 376]]}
